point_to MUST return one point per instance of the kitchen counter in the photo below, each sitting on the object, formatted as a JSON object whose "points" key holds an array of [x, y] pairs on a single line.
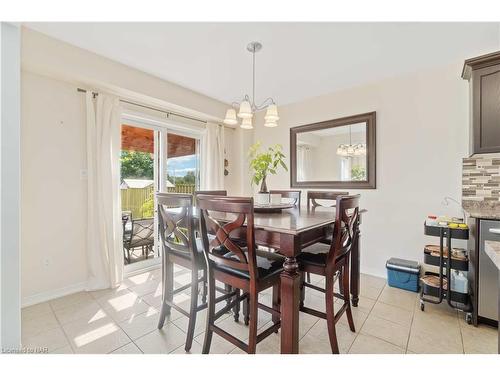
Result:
{"points": [[482, 209], [489, 214], [492, 249]]}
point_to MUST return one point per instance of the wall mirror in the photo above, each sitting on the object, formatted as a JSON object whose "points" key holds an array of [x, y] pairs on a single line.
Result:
{"points": [[337, 153]]}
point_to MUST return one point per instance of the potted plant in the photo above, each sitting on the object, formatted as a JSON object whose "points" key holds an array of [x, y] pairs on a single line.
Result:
{"points": [[263, 163]]}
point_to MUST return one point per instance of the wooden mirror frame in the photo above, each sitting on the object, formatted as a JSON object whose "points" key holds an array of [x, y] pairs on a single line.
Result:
{"points": [[370, 183]]}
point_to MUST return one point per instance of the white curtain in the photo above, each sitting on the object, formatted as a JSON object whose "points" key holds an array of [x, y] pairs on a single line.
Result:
{"points": [[104, 227], [212, 158]]}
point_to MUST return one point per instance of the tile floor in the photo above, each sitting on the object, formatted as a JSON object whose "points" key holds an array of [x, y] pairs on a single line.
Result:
{"points": [[124, 320]]}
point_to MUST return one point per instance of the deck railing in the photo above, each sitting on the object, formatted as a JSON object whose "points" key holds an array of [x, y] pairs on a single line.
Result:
{"points": [[134, 199], [184, 189]]}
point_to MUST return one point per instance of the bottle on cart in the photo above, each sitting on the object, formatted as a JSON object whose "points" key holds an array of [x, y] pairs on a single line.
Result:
{"points": [[459, 282]]}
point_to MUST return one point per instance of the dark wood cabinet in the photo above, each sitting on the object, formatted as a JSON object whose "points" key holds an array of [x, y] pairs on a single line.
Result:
{"points": [[483, 74]]}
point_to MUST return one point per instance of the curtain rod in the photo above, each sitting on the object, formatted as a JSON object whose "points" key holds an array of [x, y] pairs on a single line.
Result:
{"points": [[154, 109]]}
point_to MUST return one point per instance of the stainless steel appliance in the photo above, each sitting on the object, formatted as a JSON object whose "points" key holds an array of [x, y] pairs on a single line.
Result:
{"points": [[488, 273]]}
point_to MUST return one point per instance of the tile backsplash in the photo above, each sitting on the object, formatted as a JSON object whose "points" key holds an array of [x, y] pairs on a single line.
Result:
{"points": [[481, 179]]}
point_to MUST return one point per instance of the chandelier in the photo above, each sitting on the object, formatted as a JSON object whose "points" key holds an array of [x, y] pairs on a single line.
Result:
{"points": [[350, 150], [247, 107]]}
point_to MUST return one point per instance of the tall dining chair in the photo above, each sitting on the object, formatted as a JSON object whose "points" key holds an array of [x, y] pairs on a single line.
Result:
{"points": [[312, 202], [313, 195], [241, 267], [292, 195], [332, 262], [222, 193], [180, 246]]}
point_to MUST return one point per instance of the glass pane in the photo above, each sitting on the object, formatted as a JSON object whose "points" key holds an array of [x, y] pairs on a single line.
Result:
{"points": [[137, 192], [182, 164]]}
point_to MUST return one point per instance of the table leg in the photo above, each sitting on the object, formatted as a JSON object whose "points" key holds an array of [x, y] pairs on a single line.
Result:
{"points": [[290, 297], [355, 274]]}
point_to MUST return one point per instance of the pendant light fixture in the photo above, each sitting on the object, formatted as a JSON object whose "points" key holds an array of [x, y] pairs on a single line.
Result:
{"points": [[247, 107], [351, 150]]}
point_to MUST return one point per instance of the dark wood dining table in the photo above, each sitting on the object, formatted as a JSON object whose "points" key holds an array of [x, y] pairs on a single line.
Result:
{"points": [[290, 231]]}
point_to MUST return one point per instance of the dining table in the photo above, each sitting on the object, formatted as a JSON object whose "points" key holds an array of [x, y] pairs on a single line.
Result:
{"points": [[288, 232]]}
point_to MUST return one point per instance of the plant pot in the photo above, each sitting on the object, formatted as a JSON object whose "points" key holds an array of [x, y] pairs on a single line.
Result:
{"points": [[274, 198], [262, 198]]}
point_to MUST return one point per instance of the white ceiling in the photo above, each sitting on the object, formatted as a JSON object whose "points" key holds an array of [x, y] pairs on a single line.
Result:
{"points": [[298, 61]]}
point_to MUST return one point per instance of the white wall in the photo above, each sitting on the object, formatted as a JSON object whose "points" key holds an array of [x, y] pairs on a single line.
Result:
{"points": [[53, 153], [422, 134], [54, 220], [237, 142], [10, 312]]}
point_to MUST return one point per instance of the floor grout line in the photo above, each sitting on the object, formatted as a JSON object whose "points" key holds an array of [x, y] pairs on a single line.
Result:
{"points": [[137, 346], [358, 331], [461, 333], [61, 328], [411, 326]]}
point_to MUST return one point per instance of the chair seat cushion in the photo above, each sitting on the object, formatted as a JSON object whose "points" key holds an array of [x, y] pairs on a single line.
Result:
{"points": [[328, 239], [315, 254], [268, 264]]}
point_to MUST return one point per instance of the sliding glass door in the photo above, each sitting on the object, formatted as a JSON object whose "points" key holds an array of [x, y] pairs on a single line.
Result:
{"points": [[154, 158], [138, 184]]}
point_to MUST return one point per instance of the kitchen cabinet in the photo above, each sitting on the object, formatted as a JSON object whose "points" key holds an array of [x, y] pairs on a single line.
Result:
{"points": [[483, 74]]}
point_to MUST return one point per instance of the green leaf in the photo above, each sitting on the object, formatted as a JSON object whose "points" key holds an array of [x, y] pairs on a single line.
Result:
{"points": [[284, 165], [263, 163]]}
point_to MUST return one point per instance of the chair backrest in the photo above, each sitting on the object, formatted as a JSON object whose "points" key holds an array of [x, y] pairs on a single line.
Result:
{"points": [[222, 193], [228, 218], [175, 213], [346, 227], [323, 195], [294, 195]]}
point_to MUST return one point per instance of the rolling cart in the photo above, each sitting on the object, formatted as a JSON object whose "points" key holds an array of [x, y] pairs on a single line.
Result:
{"points": [[436, 287]]}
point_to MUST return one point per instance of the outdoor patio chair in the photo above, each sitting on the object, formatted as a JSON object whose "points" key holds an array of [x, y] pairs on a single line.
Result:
{"points": [[141, 235]]}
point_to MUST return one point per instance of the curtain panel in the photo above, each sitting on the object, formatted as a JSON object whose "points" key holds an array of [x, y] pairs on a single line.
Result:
{"points": [[212, 161], [104, 227]]}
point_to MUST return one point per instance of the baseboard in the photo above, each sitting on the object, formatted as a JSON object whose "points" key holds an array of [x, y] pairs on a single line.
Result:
{"points": [[142, 270], [374, 272], [133, 272], [52, 294]]}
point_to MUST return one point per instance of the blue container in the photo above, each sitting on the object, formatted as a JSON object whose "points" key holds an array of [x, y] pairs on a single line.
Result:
{"points": [[403, 274]]}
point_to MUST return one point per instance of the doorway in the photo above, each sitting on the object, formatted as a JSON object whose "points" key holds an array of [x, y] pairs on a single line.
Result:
{"points": [[153, 159]]}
